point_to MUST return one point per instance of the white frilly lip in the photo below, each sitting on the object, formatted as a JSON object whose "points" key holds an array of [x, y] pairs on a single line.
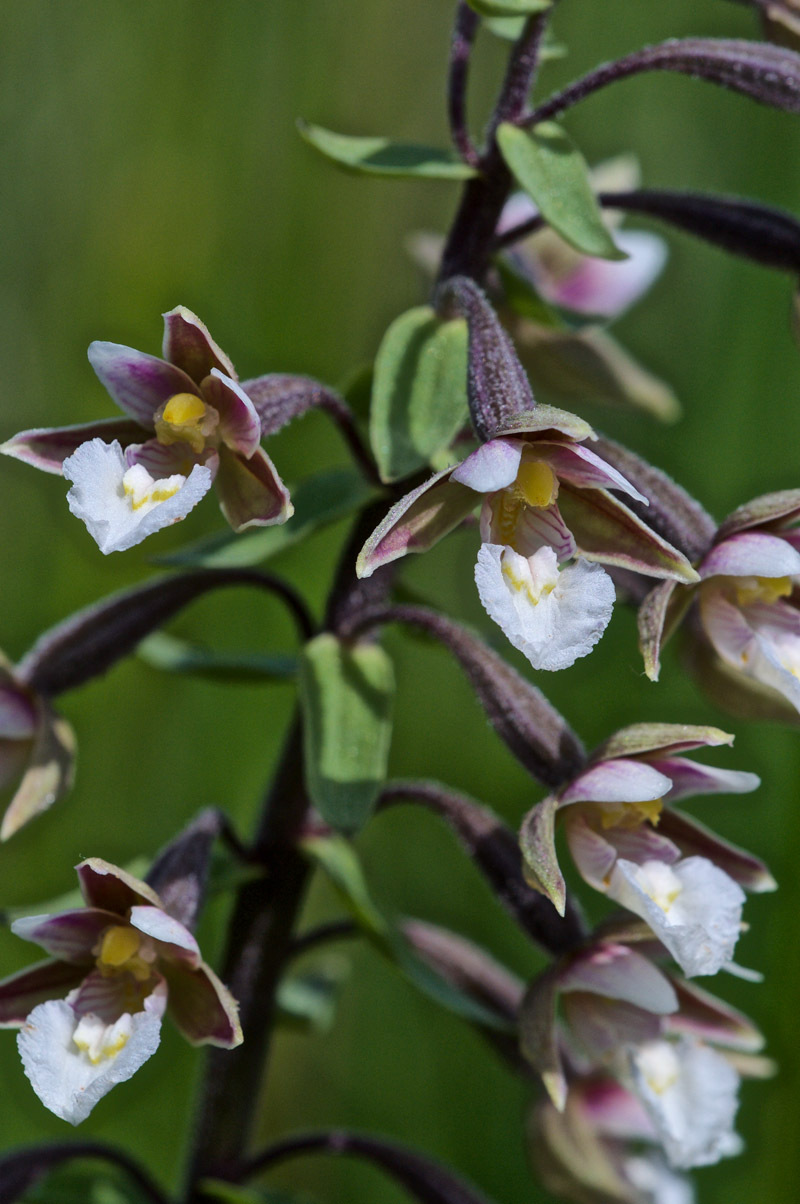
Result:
{"points": [[63, 1076], [692, 906], [553, 616], [97, 497], [690, 1093]]}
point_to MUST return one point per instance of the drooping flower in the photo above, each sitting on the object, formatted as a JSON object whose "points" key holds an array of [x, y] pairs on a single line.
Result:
{"points": [[545, 502], [37, 749], [628, 842], [90, 1015], [746, 609], [188, 424]]}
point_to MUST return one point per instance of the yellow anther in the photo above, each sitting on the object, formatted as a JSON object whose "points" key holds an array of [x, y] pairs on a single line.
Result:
{"points": [[184, 407], [118, 946], [537, 483], [631, 815], [762, 589]]}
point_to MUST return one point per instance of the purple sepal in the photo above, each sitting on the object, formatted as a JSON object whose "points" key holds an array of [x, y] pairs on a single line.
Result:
{"points": [[48, 447], [20, 993], [689, 778], [751, 554], [580, 466], [702, 1016], [138, 383], [70, 936], [239, 424], [251, 494], [189, 346], [694, 838], [201, 1006], [417, 522], [110, 888]]}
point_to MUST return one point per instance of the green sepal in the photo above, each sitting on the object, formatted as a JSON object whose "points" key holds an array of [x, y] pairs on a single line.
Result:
{"points": [[382, 157], [537, 841], [419, 394], [346, 694], [553, 172]]}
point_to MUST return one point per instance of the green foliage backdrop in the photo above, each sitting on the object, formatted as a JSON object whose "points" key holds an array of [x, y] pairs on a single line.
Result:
{"points": [[150, 159]]}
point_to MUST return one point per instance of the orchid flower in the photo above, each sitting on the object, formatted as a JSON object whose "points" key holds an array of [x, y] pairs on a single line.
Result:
{"points": [[188, 423], [37, 750], [628, 842], [546, 513], [746, 605], [90, 1016]]}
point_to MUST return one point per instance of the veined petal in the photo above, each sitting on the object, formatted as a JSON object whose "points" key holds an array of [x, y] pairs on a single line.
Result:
{"points": [[693, 907], [767, 652], [417, 522], [109, 996], [239, 423], [494, 465], [154, 922], [48, 775], [598, 1026], [98, 497], [643, 843], [552, 616], [593, 855], [582, 467], [66, 1079], [48, 447], [18, 717], [138, 383], [113, 889], [690, 1093], [618, 972], [617, 781], [167, 459], [21, 992], [535, 527], [251, 494], [201, 1006], [751, 554], [70, 935], [689, 778], [189, 346], [692, 838]]}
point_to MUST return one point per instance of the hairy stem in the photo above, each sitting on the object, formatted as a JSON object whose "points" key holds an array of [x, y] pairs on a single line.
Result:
{"points": [[464, 30]]}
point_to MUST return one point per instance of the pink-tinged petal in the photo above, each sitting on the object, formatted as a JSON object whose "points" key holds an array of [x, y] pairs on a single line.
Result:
{"points": [[535, 528], [539, 858], [727, 628], [48, 448], [70, 936], [732, 691], [251, 494], [761, 640], [48, 776], [613, 1111], [603, 288], [545, 421], [594, 857], [154, 922], [707, 1018], [772, 508], [607, 531], [20, 993], [580, 466], [663, 738], [659, 615], [690, 778], [202, 1007], [417, 522], [752, 554], [137, 382], [165, 459], [189, 346], [239, 423], [694, 838], [110, 888], [109, 996], [643, 843], [493, 466], [617, 781], [14, 756], [599, 1027], [617, 972], [18, 717], [538, 1035]]}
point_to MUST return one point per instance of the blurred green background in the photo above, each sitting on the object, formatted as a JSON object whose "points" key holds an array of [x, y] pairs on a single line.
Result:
{"points": [[150, 159]]}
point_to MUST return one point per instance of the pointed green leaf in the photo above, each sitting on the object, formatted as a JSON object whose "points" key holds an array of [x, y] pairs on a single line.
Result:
{"points": [[419, 395], [509, 8], [346, 693], [382, 157], [553, 172], [173, 655], [318, 501]]}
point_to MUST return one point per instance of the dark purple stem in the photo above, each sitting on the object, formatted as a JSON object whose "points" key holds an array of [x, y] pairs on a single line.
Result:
{"points": [[464, 30], [22, 1169], [335, 930]]}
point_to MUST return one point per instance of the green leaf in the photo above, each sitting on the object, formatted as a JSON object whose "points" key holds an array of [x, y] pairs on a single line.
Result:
{"points": [[419, 394], [551, 169], [234, 1193], [346, 692], [73, 1185], [509, 8], [173, 655], [382, 157], [337, 858], [318, 501]]}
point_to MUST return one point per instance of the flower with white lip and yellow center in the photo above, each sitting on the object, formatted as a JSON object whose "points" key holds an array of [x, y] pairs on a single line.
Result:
{"points": [[186, 418], [120, 961]]}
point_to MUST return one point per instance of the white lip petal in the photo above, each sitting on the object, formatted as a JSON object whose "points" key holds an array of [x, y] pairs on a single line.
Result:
{"points": [[97, 497], [690, 1093], [64, 1076], [552, 616]]}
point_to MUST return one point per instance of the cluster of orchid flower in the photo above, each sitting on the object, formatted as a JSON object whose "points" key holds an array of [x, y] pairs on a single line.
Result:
{"points": [[640, 1066]]}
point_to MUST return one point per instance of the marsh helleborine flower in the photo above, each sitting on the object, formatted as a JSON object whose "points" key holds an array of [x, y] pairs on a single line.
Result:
{"points": [[188, 424], [90, 1016]]}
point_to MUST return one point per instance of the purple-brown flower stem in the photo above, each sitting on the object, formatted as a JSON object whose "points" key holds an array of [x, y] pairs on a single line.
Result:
{"points": [[22, 1169], [515, 233], [323, 934], [343, 416], [464, 31]]}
